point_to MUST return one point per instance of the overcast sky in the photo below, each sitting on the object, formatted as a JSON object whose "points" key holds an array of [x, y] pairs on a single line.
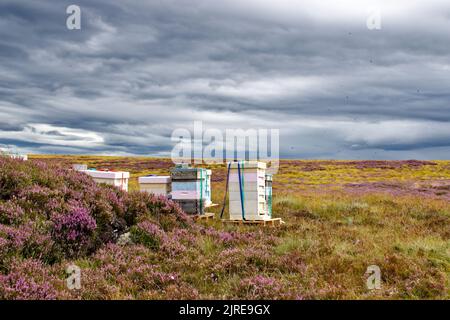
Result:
{"points": [[137, 70]]}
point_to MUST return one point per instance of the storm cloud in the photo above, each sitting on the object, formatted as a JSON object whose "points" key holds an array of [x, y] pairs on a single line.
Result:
{"points": [[137, 70]]}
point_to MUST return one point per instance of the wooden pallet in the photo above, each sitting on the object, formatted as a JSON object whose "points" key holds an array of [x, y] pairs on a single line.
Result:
{"points": [[271, 222], [205, 216]]}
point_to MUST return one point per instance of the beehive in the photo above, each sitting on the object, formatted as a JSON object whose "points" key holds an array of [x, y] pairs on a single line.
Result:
{"points": [[116, 178], [23, 157], [79, 167], [247, 194], [158, 185], [191, 188], [269, 193]]}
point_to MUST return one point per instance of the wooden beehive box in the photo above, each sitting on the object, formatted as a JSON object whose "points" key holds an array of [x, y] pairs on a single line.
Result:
{"points": [[158, 185], [79, 167], [116, 178], [253, 185], [191, 188]]}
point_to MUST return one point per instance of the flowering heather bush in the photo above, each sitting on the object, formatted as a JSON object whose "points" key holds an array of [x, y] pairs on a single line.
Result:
{"points": [[11, 213], [27, 280], [148, 234], [178, 292], [184, 236], [40, 200], [292, 262], [50, 213], [74, 231], [12, 179], [224, 237], [246, 260], [84, 215], [128, 272], [142, 206], [259, 287], [265, 287], [28, 241], [153, 237], [172, 248]]}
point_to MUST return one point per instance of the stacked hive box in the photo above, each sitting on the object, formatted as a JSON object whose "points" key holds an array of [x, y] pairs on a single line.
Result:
{"points": [[116, 178], [158, 185], [269, 194], [79, 167], [252, 183], [23, 157], [191, 188]]}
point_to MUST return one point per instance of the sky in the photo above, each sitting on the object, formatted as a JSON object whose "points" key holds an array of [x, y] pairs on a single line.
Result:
{"points": [[339, 79]]}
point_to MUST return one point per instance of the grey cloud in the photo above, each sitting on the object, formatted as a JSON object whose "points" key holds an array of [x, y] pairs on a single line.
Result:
{"points": [[137, 70]]}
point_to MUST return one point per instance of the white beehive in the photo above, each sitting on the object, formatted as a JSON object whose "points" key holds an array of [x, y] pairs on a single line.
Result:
{"points": [[12, 154], [158, 185], [79, 167], [253, 186], [23, 157], [116, 178]]}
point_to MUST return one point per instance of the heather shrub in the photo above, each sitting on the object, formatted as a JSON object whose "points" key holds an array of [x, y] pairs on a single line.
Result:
{"points": [[259, 287], [108, 209], [11, 179], [40, 201], [179, 292], [27, 280], [153, 237], [116, 272], [262, 287], [221, 237], [292, 262], [172, 248], [29, 241], [76, 215], [74, 230], [244, 260], [11, 213], [143, 206], [230, 261], [148, 234], [184, 236]]}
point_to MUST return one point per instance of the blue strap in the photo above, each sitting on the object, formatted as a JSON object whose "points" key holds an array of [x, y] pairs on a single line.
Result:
{"points": [[226, 191], [270, 201], [242, 193]]}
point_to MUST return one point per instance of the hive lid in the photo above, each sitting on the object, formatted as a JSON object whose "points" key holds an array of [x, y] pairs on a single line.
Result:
{"points": [[154, 179], [16, 156], [188, 169], [190, 173], [79, 166], [107, 174], [248, 164]]}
